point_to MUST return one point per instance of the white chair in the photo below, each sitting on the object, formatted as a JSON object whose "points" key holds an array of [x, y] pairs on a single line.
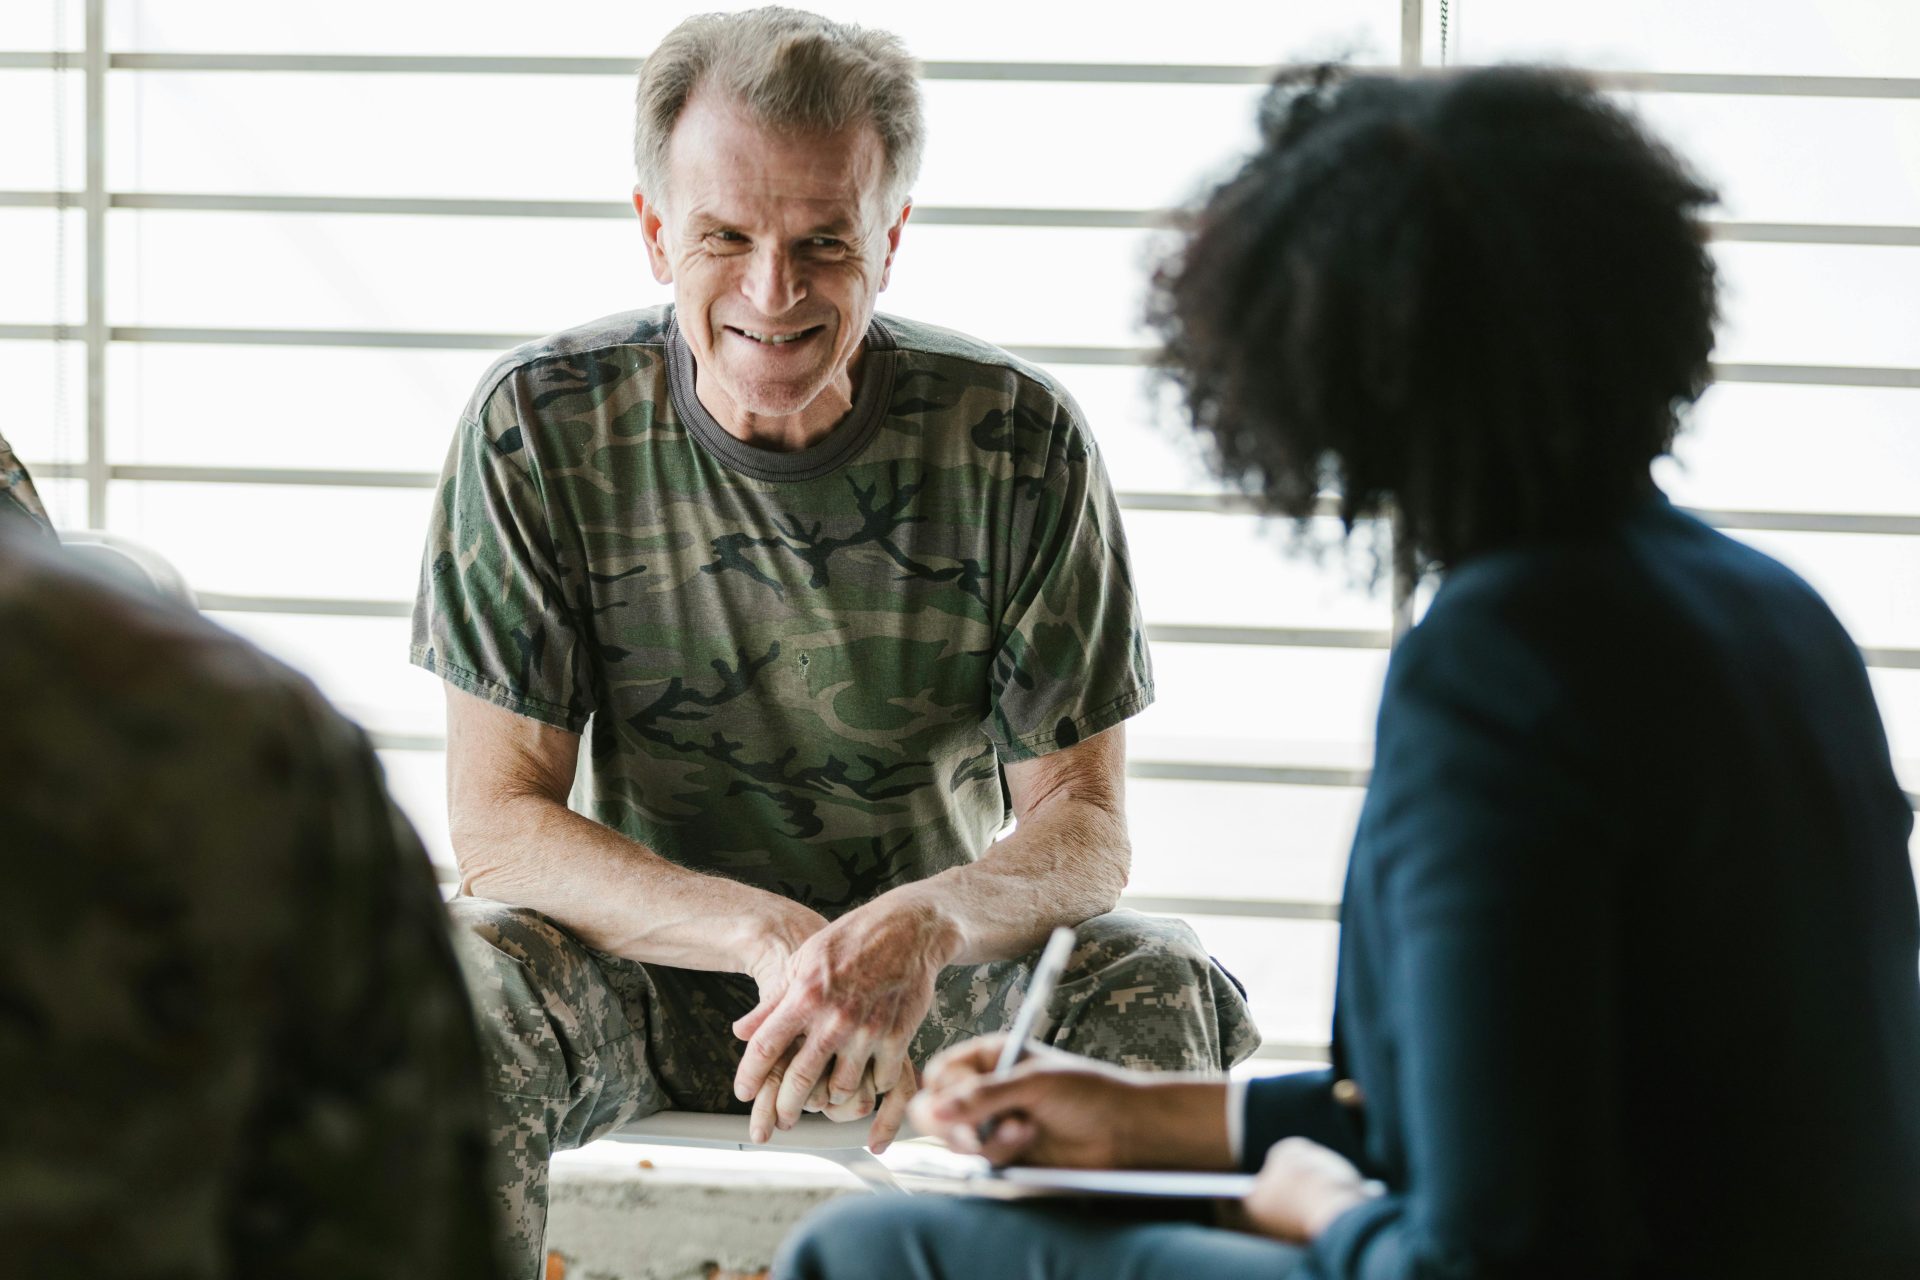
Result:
{"points": [[130, 562], [813, 1135]]}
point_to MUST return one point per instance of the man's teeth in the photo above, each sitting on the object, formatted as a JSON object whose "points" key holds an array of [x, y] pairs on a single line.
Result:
{"points": [[776, 339]]}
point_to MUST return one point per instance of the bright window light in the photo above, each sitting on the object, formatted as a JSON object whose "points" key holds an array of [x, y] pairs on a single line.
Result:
{"points": [[226, 455]]}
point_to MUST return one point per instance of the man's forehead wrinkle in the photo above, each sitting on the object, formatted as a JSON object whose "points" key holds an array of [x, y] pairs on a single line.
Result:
{"points": [[719, 152], [836, 216], [813, 185], [762, 202]]}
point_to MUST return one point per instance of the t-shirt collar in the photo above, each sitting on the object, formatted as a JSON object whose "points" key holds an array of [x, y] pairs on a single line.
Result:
{"points": [[825, 455]]}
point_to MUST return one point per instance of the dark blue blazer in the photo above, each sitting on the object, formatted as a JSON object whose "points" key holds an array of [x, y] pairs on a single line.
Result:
{"points": [[1629, 965]]}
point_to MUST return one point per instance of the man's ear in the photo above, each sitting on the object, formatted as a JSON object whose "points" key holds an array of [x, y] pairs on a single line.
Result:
{"points": [[653, 230], [893, 241]]}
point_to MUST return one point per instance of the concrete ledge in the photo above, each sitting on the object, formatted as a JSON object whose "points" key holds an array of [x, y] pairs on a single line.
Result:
{"points": [[620, 1211]]}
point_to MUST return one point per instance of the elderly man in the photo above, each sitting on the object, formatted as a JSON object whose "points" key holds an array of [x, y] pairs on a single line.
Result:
{"points": [[837, 594]]}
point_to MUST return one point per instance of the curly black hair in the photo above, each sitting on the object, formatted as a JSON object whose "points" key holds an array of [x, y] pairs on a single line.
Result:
{"points": [[1477, 301]]}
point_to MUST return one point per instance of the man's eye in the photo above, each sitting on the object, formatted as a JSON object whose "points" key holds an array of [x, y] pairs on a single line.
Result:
{"points": [[825, 242], [727, 237]]}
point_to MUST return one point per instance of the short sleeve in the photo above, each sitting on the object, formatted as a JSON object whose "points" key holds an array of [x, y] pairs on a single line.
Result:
{"points": [[493, 616], [1072, 656]]}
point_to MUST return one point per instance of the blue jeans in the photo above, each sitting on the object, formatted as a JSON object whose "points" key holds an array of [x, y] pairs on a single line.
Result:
{"points": [[960, 1238]]}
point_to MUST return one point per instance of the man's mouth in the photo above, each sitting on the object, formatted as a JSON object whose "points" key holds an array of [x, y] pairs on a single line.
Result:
{"points": [[770, 339]]}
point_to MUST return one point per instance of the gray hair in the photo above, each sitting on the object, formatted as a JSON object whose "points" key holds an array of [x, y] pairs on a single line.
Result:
{"points": [[794, 72]]}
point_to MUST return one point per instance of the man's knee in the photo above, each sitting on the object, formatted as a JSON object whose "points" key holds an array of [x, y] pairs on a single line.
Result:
{"points": [[481, 925], [1143, 990], [520, 968], [1161, 957]]}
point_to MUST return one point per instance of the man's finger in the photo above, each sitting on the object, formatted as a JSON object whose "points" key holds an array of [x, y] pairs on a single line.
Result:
{"points": [[858, 1107], [809, 1067], [889, 1059], [747, 1023], [775, 1036], [760, 1122], [893, 1110], [850, 1067]]}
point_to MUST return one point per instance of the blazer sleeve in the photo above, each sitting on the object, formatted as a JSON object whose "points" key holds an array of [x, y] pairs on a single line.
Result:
{"points": [[1296, 1105], [1493, 877]]}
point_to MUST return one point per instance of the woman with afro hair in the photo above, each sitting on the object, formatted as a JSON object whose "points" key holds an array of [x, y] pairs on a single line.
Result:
{"points": [[1627, 977]]}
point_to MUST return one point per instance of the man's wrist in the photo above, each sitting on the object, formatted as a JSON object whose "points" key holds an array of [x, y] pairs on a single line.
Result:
{"points": [[765, 929], [943, 936]]}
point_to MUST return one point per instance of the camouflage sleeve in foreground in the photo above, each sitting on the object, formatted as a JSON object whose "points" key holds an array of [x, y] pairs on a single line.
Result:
{"points": [[376, 1025], [17, 494], [1071, 656], [233, 1037]]}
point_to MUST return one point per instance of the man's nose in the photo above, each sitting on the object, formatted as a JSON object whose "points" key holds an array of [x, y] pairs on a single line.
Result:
{"points": [[773, 284]]}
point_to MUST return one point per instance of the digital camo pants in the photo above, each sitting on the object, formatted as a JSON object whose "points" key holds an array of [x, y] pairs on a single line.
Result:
{"points": [[577, 1041]]}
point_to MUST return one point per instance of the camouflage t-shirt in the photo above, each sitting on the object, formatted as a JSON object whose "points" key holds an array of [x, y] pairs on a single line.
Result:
{"points": [[802, 669]]}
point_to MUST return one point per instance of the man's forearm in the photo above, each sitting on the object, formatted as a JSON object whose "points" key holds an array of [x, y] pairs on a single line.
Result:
{"points": [[612, 892], [1065, 862]]}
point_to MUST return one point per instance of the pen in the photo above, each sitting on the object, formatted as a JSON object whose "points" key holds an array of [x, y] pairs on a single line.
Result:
{"points": [[1052, 963]]}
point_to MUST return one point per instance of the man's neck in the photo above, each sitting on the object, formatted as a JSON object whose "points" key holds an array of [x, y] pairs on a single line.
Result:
{"points": [[783, 433]]}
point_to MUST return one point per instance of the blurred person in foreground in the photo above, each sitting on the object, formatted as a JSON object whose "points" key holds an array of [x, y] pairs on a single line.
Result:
{"points": [[1627, 979], [819, 598], [233, 1036]]}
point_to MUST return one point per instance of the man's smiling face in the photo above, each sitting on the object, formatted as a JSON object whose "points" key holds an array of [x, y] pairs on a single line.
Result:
{"points": [[777, 246]]}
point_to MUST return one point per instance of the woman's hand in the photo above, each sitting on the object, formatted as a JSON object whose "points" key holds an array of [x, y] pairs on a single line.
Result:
{"points": [[1066, 1111], [1055, 1109], [1302, 1188]]}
